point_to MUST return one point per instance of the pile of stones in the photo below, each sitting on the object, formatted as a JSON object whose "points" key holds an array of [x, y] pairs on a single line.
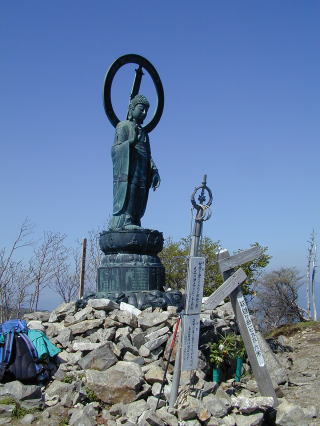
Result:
{"points": [[111, 367]]}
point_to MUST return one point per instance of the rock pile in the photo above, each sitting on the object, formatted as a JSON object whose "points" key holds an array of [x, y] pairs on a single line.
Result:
{"points": [[111, 367]]}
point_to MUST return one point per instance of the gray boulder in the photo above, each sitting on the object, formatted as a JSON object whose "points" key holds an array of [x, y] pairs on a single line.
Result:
{"points": [[290, 415], [156, 343], [135, 409], [154, 374], [27, 419], [150, 319], [59, 389], [37, 316], [149, 417], [102, 335], [167, 416], [155, 334], [6, 410], [61, 311], [84, 314], [218, 407], [79, 418], [85, 346], [99, 359], [277, 372], [29, 396], [251, 420], [103, 304], [120, 383], [249, 405], [64, 337], [127, 318], [85, 326]]}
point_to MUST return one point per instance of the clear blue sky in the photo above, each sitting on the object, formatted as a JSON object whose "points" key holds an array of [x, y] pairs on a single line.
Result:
{"points": [[242, 104]]}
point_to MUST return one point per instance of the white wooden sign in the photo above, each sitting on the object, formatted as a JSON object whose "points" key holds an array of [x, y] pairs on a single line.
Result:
{"points": [[190, 341], [228, 262], [191, 321], [195, 285], [251, 331]]}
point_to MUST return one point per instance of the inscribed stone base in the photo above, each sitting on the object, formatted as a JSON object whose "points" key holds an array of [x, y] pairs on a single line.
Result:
{"points": [[130, 273]]}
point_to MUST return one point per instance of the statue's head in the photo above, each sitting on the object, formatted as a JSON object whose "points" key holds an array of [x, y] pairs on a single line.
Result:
{"points": [[138, 108]]}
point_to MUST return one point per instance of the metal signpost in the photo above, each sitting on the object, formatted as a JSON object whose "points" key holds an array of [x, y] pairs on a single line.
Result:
{"points": [[187, 352]]}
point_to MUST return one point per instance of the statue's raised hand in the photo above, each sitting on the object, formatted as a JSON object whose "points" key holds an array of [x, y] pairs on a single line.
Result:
{"points": [[135, 137]]}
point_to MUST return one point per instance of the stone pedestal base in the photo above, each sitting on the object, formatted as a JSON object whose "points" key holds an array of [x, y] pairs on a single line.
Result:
{"points": [[130, 272], [131, 263]]}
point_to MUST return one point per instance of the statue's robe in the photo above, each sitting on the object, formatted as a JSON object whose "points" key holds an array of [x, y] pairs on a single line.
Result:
{"points": [[133, 170]]}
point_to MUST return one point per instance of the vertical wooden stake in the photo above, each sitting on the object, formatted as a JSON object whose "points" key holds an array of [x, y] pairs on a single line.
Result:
{"points": [[83, 267]]}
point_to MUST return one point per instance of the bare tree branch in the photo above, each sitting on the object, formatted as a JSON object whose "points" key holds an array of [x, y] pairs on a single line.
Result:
{"points": [[93, 261], [277, 298], [13, 276], [66, 278], [46, 260]]}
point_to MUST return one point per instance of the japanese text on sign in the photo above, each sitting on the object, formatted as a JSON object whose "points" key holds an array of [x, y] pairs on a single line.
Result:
{"points": [[195, 285], [190, 342], [251, 330]]}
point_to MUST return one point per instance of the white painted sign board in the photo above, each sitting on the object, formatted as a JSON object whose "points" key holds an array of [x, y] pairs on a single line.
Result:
{"points": [[251, 331], [190, 342], [195, 285], [191, 320]]}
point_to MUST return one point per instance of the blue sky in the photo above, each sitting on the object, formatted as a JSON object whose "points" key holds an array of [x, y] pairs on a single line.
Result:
{"points": [[242, 104]]}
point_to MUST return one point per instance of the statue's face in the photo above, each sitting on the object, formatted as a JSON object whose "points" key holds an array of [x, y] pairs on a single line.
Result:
{"points": [[139, 113]]}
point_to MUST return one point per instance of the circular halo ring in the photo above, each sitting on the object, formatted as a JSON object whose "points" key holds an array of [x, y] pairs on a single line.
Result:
{"points": [[193, 201], [140, 60]]}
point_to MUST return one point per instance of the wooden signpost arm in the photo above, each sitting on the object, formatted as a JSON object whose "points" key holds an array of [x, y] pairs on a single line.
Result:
{"points": [[225, 289], [227, 262]]}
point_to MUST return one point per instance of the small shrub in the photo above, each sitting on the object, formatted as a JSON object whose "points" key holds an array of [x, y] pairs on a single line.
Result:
{"points": [[68, 379], [91, 396], [7, 401], [227, 348], [20, 412]]}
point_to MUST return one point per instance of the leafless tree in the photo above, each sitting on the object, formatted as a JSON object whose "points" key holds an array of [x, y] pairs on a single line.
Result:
{"points": [[47, 258], [66, 276], [66, 279], [93, 261], [51, 264], [277, 298], [308, 282], [13, 276], [313, 283], [311, 272]]}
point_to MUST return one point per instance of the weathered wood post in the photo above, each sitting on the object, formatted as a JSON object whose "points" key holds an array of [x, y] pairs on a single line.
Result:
{"points": [[83, 267]]}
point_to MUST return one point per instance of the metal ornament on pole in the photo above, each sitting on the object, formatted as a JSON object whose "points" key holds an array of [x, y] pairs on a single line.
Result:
{"points": [[203, 214]]}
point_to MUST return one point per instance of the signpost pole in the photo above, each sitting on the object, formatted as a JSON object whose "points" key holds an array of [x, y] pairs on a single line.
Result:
{"points": [[203, 213]]}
